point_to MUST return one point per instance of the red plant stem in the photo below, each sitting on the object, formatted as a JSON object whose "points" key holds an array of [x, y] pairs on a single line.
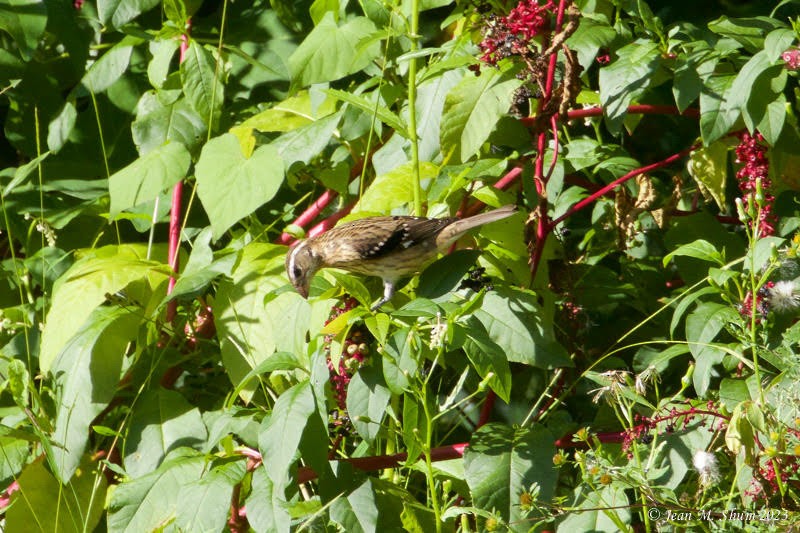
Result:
{"points": [[310, 214], [640, 109], [539, 179], [611, 186], [486, 409], [173, 256], [331, 221], [442, 453]]}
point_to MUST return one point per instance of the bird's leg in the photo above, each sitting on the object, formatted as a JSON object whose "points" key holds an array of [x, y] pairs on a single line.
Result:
{"points": [[388, 292]]}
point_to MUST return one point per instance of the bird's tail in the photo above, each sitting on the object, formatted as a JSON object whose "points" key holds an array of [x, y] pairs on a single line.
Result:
{"points": [[459, 227]]}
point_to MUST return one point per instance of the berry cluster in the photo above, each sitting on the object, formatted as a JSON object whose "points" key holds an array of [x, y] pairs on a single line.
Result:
{"points": [[792, 58], [354, 350], [476, 279], [511, 35], [754, 178], [762, 302]]}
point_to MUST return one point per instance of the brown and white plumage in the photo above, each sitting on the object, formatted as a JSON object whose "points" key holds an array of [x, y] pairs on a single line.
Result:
{"points": [[388, 247]]}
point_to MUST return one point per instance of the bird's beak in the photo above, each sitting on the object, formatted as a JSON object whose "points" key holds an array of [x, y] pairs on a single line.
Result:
{"points": [[303, 290]]}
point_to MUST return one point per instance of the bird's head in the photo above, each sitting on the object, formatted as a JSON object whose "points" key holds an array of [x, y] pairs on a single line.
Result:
{"points": [[302, 262]]}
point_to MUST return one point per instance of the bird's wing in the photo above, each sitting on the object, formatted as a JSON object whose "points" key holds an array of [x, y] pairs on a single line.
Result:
{"points": [[375, 237]]}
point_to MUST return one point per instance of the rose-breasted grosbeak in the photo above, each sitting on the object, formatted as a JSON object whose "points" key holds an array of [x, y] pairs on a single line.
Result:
{"points": [[390, 248]]}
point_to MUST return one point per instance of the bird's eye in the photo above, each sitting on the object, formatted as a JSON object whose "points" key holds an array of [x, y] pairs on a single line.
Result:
{"points": [[297, 272]]}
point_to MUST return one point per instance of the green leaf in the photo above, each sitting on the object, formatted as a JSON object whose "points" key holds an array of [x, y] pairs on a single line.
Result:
{"points": [[376, 505], [627, 78], [231, 186], [741, 432], [390, 192], [445, 274], [79, 502], [120, 12], [161, 420], [149, 502], [281, 432], [158, 123], [147, 177], [85, 285], [718, 107], [266, 505], [472, 109], [709, 168], [604, 510], [367, 399], [591, 35], [111, 66], [702, 327], [202, 268], [748, 31], [61, 126], [383, 113], [202, 83], [86, 374], [501, 463], [251, 331], [25, 21], [306, 142], [518, 324], [205, 505], [699, 249], [487, 358], [331, 52]]}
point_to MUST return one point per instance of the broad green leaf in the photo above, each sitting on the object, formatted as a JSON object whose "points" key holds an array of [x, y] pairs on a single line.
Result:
{"points": [[250, 330], [445, 274], [415, 429], [383, 113], [501, 463], [79, 502], [290, 114], [202, 83], [591, 35], [519, 325], [61, 126], [306, 142], [281, 432], [147, 177], [741, 432], [472, 109], [622, 82], [111, 66], [120, 12], [103, 271], [331, 52], [25, 21], [162, 50], [320, 7], [390, 192], [231, 186], [149, 502], [367, 399], [718, 108], [266, 505], [86, 374], [202, 267], [602, 510], [699, 249], [773, 119], [487, 358], [375, 506], [158, 123], [702, 328], [709, 168], [763, 251], [161, 420], [205, 505], [748, 31]]}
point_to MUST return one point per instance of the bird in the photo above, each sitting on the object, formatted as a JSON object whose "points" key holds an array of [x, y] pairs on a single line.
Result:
{"points": [[388, 247]]}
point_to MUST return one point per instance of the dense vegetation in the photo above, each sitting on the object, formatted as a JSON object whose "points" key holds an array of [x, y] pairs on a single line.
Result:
{"points": [[622, 354]]}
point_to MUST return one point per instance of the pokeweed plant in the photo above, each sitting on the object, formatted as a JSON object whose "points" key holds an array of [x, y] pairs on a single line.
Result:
{"points": [[618, 356]]}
